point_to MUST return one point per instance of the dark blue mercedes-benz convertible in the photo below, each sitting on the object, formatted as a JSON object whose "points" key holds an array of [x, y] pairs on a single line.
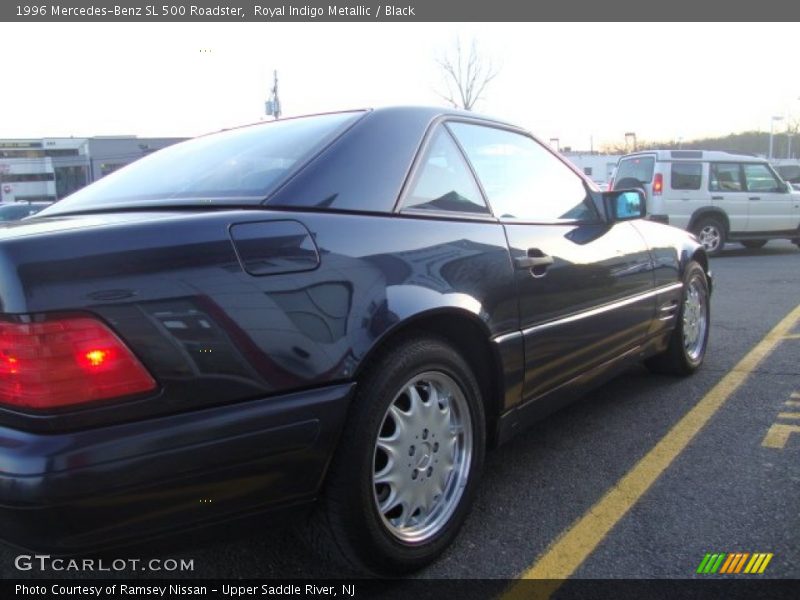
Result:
{"points": [[340, 312]]}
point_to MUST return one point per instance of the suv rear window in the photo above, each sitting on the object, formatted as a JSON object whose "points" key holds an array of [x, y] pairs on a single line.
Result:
{"points": [[686, 175], [638, 167]]}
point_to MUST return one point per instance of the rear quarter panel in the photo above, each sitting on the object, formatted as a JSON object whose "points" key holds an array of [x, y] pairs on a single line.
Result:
{"points": [[172, 286]]}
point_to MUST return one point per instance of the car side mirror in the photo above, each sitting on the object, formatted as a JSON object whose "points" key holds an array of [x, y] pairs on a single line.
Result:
{"points": [[624, 205]]}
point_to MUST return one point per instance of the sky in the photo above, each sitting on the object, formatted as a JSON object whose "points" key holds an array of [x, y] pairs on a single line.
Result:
{"points": [[583, 83]]}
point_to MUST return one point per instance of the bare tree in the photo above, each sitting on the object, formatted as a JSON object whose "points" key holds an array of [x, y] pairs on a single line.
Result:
{"points": [[465, 76]]}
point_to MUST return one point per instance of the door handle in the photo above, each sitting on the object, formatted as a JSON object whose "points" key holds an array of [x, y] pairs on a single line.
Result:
{"points": [[755, 197], [718, 197], [536, 261]]}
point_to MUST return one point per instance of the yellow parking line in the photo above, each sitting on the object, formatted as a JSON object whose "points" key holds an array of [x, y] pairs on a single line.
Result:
{"points": [[778, 435], [571, 548], [789, 415], [793, 403]]}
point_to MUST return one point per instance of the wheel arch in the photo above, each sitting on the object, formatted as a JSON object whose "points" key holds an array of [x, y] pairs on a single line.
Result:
{"points": [[710, 211], [468, 335]]}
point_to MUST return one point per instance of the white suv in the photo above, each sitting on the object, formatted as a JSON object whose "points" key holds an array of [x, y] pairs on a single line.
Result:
{"points": [[720, 197]]}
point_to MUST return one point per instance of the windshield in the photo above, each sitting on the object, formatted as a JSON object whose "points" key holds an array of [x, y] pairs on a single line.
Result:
{"points": [[242, 165]]}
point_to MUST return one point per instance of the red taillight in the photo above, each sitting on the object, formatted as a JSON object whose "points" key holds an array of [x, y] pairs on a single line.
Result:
{"points": [[658, 184], [66, 361]]}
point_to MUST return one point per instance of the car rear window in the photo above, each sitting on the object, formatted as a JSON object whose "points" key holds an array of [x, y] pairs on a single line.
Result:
{"points": [[637, 167], [686, 175], [241, 165]]}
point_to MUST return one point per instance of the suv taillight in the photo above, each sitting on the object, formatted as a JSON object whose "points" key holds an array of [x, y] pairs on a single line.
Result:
{"points": [[658, 184], [66, 361]]}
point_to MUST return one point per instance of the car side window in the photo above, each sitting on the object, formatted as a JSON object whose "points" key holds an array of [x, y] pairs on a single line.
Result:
{"points": [[522, 179], [760, 179], [443, 181], [725, 177], [686, 175]]}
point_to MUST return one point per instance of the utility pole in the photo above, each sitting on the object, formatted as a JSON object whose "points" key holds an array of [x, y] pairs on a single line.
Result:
{"points": [[772, 133], [273, 105]]}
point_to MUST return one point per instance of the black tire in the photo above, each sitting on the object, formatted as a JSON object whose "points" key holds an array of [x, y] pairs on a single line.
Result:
{"points": [[753, 244], [677, 359], [347, 525], [711, 233]]}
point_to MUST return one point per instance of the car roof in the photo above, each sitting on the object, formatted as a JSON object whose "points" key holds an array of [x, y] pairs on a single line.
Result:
{"points": [[421, 112], [710, 155]]}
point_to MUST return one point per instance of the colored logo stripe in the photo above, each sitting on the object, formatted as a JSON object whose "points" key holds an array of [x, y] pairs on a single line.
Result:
{"points": [[734, 562]]}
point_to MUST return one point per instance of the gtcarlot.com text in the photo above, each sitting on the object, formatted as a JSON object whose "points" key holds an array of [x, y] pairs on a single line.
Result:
{"points": [[44, 562]]}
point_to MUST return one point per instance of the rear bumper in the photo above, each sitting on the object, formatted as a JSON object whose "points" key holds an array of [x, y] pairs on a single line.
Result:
{"points": [[97, 488]]}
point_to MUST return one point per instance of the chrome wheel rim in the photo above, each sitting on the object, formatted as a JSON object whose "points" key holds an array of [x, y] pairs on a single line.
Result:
{"points": [[710, 237], [422, 457], [695, 319]]}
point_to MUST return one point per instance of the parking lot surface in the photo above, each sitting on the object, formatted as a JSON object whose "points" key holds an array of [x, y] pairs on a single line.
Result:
{"points": [[733, 488]]}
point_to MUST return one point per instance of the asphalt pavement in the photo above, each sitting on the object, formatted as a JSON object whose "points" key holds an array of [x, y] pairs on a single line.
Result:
{"points": [[733, 489]]}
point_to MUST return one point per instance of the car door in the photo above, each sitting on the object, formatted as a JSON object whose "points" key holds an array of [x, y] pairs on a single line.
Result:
{"points": [[584, 286], [770, 203], [726, 184]]}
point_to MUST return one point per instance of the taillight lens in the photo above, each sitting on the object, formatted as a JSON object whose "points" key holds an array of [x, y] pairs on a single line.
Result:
{"points": [[64, 362], [658, 184]]}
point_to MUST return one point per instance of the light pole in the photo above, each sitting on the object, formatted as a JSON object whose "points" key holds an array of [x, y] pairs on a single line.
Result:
{"points": [[628, 136], [772, 133], [789, 136]]}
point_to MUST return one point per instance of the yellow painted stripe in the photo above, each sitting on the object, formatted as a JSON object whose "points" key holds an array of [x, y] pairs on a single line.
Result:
{"points": [[753, 560], [759, 559], [795, 395], [791, 415], [727, 563], [766, 562], [570, 549], [778, 434], [792, 403], [793, 336]]}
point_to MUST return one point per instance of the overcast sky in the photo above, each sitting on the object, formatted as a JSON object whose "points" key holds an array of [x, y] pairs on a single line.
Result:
{"points": [[573, 81]]}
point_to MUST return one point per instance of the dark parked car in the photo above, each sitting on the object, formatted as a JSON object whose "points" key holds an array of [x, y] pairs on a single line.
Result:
{"points": [[344, 308], [19, 210]]}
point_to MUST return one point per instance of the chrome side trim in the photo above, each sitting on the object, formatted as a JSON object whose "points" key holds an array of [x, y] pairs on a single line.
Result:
{"points": [[592, 312]]}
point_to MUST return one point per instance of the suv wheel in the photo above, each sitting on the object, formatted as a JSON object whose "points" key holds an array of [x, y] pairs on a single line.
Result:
{"points": [[711, 233], [407, 467], [753, 244], [689, 340]]}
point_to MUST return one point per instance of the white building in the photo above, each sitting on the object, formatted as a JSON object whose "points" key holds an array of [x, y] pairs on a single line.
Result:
{"points": [[48, 169], [597, 167]]}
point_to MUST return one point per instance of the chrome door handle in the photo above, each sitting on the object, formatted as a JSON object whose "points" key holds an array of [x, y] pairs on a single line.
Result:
{"points": [[529, 262], [755, 197], [536, 261]]}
